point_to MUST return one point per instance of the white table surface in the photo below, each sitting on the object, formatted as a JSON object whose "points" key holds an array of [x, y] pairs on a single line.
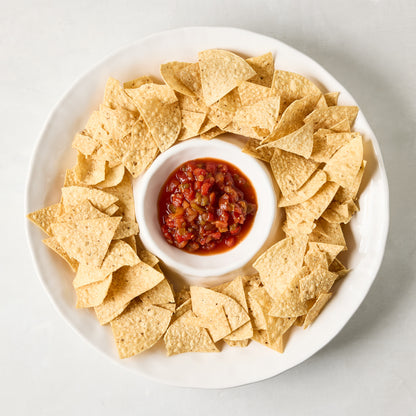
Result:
{"points": [[369, 368]]}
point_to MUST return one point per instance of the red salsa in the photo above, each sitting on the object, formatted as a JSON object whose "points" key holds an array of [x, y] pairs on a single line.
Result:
{"points": [[206, 206]]}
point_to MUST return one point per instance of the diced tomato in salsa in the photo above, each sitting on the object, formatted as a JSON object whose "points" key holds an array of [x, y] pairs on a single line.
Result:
{"points": [[206, 206]]}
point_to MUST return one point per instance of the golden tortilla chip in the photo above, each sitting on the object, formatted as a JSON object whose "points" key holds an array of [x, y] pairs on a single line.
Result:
{"points": [[113, 176], [315, 258], [182, 296], [264, 67], [317, 282], [89, 170], [311, 209], [330, 250], [81, 212], [160, 109], [337, 267], [126, 229], [291, 87], [326, 143], [291, 171], [183, 337], [331, 98], [145, 255], [205, 300], [263, 338], [45, 217], [293, 117], [191, 124], [161, 295], [340, 213], [345, 164], [138, 82], [345, 194], [299, 142], [210, 134], [316, 309], [252, 93], [306, 191], [116, 98], [139, 327], [289, 304], [221, 71], [53, 244], [119, 254], [342, 126], [111, 210], [128, 283], [278, 265], [328, 233], [123, 192], [170, 74], [93, 294], [85, 144], [86, 241], [72, 180], [263, 153], [75, 195], [190, 76], [324, 118]]}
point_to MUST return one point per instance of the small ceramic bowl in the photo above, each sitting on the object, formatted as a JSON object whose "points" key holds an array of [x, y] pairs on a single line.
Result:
{"points": [[206, 269]]}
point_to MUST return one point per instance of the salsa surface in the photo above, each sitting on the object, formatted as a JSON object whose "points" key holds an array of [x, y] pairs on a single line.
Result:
{"points": [[206, 206]]}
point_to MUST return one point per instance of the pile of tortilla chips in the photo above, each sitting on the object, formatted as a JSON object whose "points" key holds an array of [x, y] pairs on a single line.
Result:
{"points": [[286, 121]]}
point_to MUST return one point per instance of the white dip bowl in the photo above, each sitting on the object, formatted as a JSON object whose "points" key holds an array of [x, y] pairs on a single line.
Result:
{"points": [[216, 268]]}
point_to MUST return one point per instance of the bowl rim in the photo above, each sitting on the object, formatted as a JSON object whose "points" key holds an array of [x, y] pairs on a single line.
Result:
{"points": [[382, 236]]}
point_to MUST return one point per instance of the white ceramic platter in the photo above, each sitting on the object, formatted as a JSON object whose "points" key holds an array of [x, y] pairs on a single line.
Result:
{"points": [[366, 234]]}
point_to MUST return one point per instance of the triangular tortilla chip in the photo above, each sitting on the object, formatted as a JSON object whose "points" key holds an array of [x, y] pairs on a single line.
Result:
{"points": [[93, 294], [139, 327], [317, 282], [160, 109], [116, 98], [75, 195], [170, 74], [161, 295], [279, 264], [316, 309], [264, 67], [86, 241], [291, 171], [123, 192], [325, 118], [53, 244], [191, 124], [45, 217], [345, 194], [119, 254], [331, 98], [221, 71], [127, 284], [252, 93]]}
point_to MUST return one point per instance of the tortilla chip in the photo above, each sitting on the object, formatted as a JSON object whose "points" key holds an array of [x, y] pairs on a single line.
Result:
{"points": [[289, 304], [342, 126], [264, 67], [291, 171], [306, 191], [345, 194], [45, 217], [85, 144], [326, 143], [337, 267], [107, 153], [262, 115], [119, 254], [316, 309], [145, 255], [262, 338], [191, 124], [291, 87], [183, 337], [252, 148], [169, 73], [328, 233], [221, 71], [331, 98], [128, 283], [116, 98], [344, 165], [113, 176], [330, 250], [311, 209], [138, 82], [299, 142], [53, 244], [324, 118], [293, 117], [315, 258], [340, 213], [279, 264], [205, 300], [93, 294], [182, 296], [86, 241], [190, 76], [89, 170], [75, 195], [126, 229], [160, 109], [161, 295], [139, 327], [111, 210], [252, 93], [317, 282], [123, 192], [210, 134]]}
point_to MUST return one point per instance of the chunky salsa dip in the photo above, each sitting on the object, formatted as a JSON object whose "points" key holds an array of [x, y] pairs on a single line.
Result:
{"points": [[206, 206]]}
